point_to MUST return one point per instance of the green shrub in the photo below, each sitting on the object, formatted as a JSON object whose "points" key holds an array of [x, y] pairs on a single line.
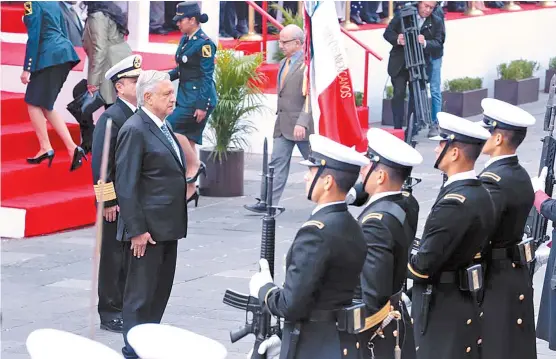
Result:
{"points": [[289, 18], [517, 70], [358, 98], [389, 92], [552, 63], [463, 84]]}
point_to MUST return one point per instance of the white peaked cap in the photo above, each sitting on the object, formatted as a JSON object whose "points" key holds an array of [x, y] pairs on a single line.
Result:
{"points": [[392, 151], [128, 67], [58, 344], [503, 115], [329, 153], [455, 128], [160, 341]]}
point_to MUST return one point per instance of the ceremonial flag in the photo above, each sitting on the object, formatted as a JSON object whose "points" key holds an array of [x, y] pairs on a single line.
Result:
{"points": [[329, 79]]}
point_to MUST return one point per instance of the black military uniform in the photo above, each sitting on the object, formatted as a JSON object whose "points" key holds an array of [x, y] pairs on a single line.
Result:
{"points": [[323, 267], [445, 312], [111, 279], [509, 316], [389, 224]]}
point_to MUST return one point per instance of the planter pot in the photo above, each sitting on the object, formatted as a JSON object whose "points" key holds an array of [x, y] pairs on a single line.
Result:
{"points": [[517, 92], [223, 179], [547, 78], [387, 117], [464, 104]]}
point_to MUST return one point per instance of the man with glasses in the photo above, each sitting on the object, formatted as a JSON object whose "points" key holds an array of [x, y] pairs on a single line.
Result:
{"points": [[294, 122]]}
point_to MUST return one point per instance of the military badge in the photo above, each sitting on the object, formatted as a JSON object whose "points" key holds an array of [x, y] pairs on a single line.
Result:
{"points": [[28, 6], [137, 62], [184, 59], [206, 51]]}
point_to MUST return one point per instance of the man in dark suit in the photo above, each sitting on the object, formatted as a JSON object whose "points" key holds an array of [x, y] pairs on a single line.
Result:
{"points": [[431, 37], [323, 263], [509, 325], [111, 278], [294, 121], [150, 183], [73, 22], [389, 232]]}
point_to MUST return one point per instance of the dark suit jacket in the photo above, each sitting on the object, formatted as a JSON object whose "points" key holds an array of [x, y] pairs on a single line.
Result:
{"points": [[119, 113], [434, 32], [73, 25], [150, 182]]}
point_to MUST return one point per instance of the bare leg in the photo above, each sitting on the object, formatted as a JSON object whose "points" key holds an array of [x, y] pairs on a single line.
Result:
{"points": [[62, 129], [39, 125], [190, 159]]}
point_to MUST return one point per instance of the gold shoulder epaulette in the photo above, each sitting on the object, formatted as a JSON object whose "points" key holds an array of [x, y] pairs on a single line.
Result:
{"points": [[106, 189], [406, 194], [317, 224], [372, 216], [491, 175], [459, 197], [478, 256]]}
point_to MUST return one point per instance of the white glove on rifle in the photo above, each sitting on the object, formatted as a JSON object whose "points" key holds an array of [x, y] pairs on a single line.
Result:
{"points": [[539, 183], [260, 279], [270, 346]]}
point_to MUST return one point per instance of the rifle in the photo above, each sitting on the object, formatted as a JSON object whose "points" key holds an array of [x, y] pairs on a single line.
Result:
{"points": [[264, 175], [536, 224], [260, 324]]}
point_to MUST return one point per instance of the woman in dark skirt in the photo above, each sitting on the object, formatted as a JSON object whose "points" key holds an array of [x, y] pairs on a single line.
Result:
{"points": [[196, 93], [546, 323], [49, 57]]}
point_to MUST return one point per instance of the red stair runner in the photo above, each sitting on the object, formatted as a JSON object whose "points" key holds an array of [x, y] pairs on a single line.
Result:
{"points": [[54, 198]]}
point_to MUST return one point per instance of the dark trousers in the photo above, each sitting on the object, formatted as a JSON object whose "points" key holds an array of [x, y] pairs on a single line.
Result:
{"points": [[148, 286], [111, 274], [399, 83]]}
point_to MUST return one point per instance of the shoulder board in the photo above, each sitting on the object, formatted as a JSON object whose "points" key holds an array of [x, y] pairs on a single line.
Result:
{"points": [[372, 216], [491, 175], [456, 196], [317, 224], [406, 194]]}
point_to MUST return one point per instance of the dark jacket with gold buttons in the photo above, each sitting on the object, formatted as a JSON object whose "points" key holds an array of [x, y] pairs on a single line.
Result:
{"points": [[47, 44], [322, 271], [509, 325], [455, 231], [195, 69]]}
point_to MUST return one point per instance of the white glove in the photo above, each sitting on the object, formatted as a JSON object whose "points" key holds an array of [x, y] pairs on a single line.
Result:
{"points": [[541, 254], [258, 280], [270, 346], [539, 183]]}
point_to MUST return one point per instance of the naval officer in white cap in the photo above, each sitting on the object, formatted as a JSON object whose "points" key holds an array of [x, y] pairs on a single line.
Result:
{"points": [[388, 235], [509, 314], [324, 262], [111, 277], [443, 267]]}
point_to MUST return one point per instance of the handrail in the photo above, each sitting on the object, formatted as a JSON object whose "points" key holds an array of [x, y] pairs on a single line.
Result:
{"points": [[262, 11]]}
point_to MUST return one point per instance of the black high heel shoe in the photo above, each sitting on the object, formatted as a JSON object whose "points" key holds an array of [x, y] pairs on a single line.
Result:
{"points": [[76, 162], [47, 155], [202, 169], [194, 197]]}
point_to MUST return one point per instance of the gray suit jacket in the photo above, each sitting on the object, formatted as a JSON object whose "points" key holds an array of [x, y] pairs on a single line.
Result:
{"points": [[73, 24], [293, 108], [150, 182]]}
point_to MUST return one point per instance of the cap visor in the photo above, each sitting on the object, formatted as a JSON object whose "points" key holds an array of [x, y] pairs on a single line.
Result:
{"points": [[177, 18], [437, 138]]}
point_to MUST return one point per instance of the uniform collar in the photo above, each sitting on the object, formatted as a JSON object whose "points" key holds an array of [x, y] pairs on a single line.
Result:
{"points": [[131, 107], [158, 122], [461, 176], [376, 197], [196, 32], [498, 158], [321, 206]]}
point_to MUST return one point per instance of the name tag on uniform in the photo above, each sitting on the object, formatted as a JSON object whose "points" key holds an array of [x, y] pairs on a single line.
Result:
{"points": [[184, 59]]}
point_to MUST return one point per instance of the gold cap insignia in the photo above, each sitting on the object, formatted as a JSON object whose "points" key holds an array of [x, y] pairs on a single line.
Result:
{"points": [[137, 62]]}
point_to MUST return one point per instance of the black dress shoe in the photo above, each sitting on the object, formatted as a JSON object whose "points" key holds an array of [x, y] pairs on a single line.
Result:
{"points": [[159, 31], [114, 325], [257, 208], [48, 155], [78, 155]]}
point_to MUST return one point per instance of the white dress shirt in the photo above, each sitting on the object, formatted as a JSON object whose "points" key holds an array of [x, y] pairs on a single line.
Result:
{"points": [[131, 107], [321, 206], [497, 158], [461, 176]]}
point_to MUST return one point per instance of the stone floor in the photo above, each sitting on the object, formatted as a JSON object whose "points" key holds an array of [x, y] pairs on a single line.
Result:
{"points": [[46, 281]]}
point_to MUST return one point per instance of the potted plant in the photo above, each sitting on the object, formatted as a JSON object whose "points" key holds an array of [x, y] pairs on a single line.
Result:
{"points": [[289, 18], [387, 117], [238, 86], [551, 71], [463, 96], [516, 84]]}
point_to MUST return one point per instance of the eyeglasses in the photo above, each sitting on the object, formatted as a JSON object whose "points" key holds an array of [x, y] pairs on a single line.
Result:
{"points": [[285, 41]]}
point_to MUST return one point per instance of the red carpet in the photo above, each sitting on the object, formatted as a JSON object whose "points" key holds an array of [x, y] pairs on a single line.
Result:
{"points": [[54, 198]]}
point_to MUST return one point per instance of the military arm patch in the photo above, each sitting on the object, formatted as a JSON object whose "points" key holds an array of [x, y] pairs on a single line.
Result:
{"points": [[206, 51], [28, 6], [317, 224], [406, 194], [491, 175], [372, 216], [456, 196]]}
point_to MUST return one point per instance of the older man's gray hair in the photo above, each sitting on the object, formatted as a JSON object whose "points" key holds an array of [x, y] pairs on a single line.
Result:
{"points": [[294, 32], [147, 82]]}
